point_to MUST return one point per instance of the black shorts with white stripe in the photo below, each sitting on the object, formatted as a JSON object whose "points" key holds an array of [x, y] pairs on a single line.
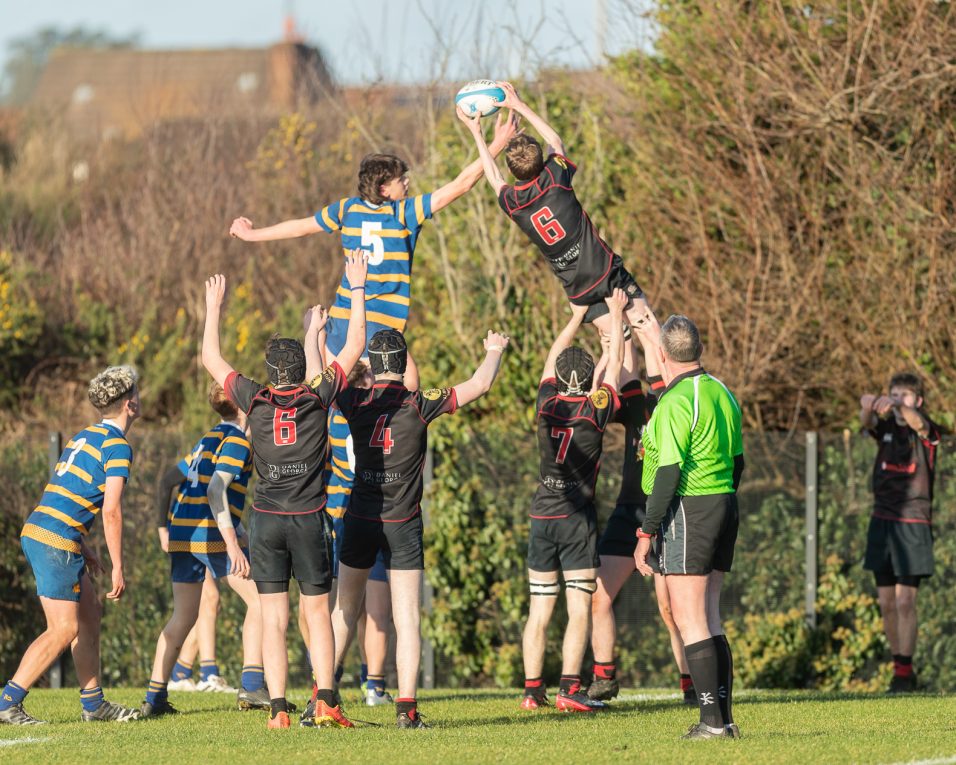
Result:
{"points": [[698, 535]]}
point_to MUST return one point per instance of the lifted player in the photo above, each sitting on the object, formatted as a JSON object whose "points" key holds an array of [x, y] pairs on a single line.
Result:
{"points": [[389, 426], [288, 527], [563, 534], [88, 480], [618, 542], [543, 205]]}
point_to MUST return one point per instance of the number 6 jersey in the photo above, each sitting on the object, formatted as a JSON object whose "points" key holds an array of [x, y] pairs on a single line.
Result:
{"points": [[290, 439], [389, 425]]}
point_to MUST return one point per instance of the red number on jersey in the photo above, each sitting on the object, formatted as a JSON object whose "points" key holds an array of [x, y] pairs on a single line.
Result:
{"points": [[382, 436], [283, 427], [565, 435], [547, 226]]}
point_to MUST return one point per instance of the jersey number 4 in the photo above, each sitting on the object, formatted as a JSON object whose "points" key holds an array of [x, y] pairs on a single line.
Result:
{"points": [[283, 427], [547, 226], [382, 436], [565, 435]]}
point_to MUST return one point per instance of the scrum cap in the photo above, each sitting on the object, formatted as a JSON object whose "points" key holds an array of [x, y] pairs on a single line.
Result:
{"points": [[575, 370], [387, 352], [285, 358]]}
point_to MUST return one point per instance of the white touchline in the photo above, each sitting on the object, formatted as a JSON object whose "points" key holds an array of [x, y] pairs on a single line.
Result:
{"points": [[939, 761], [15, 741]]}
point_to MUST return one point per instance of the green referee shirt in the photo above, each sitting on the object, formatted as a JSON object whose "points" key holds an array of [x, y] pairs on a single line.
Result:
{"points": [[695, 430]]}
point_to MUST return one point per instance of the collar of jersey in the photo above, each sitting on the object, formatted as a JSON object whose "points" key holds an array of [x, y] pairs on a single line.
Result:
{"points": [[685, 376], [111, 424], [525, 185], [388, 384]]}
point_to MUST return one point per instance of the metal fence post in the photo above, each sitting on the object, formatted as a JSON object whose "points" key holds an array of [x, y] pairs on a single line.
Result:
{"points": [[812, 482], [428, 650], [54, 447]]}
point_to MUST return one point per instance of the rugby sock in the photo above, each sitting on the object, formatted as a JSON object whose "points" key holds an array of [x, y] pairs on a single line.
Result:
{"points": [[705, 672], [308, 660], [569, 684], [156, 691], [902, 665], [326, 696], [252, 677], [181, 672], [339, 671], [407, 706], [278, 705], [363, 674], [91, 698], [604, 670], [686, 683], [534, 686], [12, 695], [376, 683], [207, 669], [725, 669]]}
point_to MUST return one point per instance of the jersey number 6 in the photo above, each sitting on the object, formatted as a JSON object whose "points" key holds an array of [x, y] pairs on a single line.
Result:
{"points": [[547, 226], [382, 436], [283, 427]]}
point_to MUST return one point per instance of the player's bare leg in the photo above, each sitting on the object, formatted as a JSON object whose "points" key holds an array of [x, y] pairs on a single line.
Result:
{"points": [[898, 606], [321, 642], [614, 571], [906, 621], [677, 642], [186, 597], [544, 597], [378, 611], [62, 626], [206, 621], [348, 604], [275, 656], [579, 586], [252, 624], [887, 600], [406, 588], [86, 644]]}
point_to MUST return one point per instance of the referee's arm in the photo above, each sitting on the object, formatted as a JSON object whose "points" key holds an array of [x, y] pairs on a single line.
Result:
{"points": [[665, 488]]}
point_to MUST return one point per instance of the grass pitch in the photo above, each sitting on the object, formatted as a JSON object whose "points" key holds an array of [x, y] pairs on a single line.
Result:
{"points": [[488, 727]]}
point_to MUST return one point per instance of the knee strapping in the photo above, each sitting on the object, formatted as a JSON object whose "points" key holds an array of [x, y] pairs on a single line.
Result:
{"points": [[547, 589], [585, 585]]}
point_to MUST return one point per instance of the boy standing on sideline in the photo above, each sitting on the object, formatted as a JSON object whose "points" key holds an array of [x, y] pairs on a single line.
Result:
{"points": [[899, 542]]}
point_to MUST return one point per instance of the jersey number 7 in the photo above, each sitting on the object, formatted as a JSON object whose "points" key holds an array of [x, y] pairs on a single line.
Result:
{"points": [[382, 436], [547, 226], [565, 435]]}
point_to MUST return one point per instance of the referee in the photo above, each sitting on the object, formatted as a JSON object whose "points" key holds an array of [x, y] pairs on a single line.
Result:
{"points": [[692, 465]]}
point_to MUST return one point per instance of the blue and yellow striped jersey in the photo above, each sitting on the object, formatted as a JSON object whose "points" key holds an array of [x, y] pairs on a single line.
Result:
{"points": [[74, 495], [389, 232], [192, 525], [340, 468]]}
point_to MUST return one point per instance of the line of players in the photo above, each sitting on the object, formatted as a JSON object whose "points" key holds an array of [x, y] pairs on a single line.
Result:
{"points": [[290, 532]]}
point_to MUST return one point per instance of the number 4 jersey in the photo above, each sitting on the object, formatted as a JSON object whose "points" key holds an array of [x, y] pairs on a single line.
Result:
{"points": [[548, 211], [389, 425], [290, 439]]}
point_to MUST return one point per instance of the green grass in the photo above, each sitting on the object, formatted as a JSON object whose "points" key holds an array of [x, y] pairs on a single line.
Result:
{"points": [[488, 727]]}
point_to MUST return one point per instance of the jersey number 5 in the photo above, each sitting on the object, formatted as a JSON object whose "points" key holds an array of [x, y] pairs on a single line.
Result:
{"points": [[382, 436], [547, 226], [565, 435], [283, 427], [372, 239]]}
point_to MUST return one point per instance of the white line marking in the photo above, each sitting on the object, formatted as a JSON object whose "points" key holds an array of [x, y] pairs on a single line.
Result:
{"points": [[939, 761], [16, 741]]}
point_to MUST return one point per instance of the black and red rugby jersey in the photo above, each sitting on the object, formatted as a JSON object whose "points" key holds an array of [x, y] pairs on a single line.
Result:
{"points": [[903, 472], [290, 439], [548, 211], [636, 410], [570, 444], [389, 426]]}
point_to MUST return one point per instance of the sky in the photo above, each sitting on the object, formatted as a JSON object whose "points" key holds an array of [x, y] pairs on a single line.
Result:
{"points": [[368, 40]]}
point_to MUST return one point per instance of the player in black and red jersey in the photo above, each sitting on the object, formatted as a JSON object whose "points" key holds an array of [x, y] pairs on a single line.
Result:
{"points": [[899, 543], [543, 205], [389, 425], [563, 534], [619, 540], [289, 531]]}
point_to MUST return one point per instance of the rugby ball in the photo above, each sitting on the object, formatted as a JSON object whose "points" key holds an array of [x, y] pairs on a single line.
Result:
{"points": [[480, 97]]}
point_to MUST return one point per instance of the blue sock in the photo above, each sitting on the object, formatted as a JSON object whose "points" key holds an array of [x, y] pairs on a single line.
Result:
{"points": [[207, 668], [377, 683], [156, 692], [12, 695], [253, 677], [181, 672], [363, 674], [91, 698]]}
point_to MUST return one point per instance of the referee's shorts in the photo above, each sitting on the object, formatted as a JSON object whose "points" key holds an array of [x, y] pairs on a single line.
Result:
{"points": [[698, 535]]}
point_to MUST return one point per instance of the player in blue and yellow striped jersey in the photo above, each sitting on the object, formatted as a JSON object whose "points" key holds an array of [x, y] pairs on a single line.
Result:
{"points": [[89, 479], [383, 220], [205, 530]]}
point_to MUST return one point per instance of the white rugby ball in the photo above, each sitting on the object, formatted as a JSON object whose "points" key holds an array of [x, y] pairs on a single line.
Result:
{"points": [[480, 97]]}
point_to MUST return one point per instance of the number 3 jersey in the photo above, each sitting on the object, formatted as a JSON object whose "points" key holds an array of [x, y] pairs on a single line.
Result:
{"points": [[74, 496], [192, 525], [389, 425], [388, 232], [548, 211], [570, 443], [290, 439]]}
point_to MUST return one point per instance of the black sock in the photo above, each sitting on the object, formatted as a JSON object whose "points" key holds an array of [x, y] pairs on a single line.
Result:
{"points": [[534, 686], [569, 684], [326, 696], [407, 706], [725, 690], [704, 671], [279, 705]]}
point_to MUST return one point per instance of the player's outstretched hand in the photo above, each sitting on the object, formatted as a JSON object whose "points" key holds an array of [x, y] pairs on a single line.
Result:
{"points": [[472, 123], [640, 556], [119, 584], [867, 400], [315, 319], [240, 228], [356, 268], [883, 406], [496, 341], [512, 100], [617, 302], [215, 292], [506, 128]]}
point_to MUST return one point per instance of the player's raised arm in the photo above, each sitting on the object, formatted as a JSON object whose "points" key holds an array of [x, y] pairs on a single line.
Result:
{"points": [[564, 339], [356, 271], [411, 379], [212, 358], [512, 101], [242, 228], [112, 513], [481, 381], [505, 130], [615, 354], [314, 343]]}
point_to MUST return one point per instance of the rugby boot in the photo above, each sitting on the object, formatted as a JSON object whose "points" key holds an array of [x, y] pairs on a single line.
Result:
{"points": [[699, 731], [15, 715], [532, 702], [901, 684], [279, 722], [330, 717], [216, 684], [577, 700], [186, 684], [375, 699], [603, 689], [410, 720], [157, 709], [110, 712], [247, 700]]}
